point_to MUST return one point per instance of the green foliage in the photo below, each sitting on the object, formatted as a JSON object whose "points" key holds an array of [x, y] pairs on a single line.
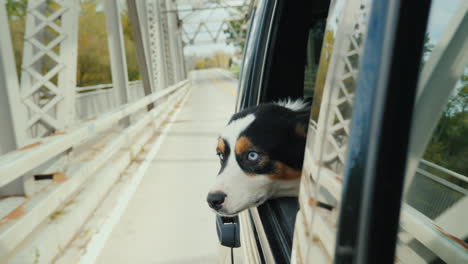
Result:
{"points": [[325, 56], [93, 54], [17, 22], [16, 8], [218, 60], [314, 45], [449, 143], [236, 33]]}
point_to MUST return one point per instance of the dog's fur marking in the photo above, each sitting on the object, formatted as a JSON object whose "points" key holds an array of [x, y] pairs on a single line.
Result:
{"points": [[295, 105], [236, 127], [284, 172], [243, 144], [300, 129], [221, 146], [277, 133]]}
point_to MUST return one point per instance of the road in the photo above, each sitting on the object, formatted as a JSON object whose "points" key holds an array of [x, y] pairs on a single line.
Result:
{"points": [[167, 220]]}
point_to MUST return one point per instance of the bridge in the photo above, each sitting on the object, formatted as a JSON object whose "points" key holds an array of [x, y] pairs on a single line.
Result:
{"points": [[118, 172], [89, 171]]}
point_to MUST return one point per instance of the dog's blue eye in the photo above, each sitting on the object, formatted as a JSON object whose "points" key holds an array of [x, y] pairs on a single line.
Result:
{"points": [[252, 156]]}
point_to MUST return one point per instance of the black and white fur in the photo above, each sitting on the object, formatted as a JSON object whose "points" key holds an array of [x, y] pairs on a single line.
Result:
{"points": [[261, 153]]}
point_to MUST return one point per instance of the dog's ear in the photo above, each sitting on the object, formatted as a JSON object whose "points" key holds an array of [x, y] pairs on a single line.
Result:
{"points": [[301, 123]]}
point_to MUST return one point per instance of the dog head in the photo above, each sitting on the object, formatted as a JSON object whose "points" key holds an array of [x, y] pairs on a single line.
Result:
{"points": [[261, 151]]}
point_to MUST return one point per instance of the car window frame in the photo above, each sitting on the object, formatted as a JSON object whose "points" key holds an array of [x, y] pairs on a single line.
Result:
{"points": [[252, 86], [375, 165]]}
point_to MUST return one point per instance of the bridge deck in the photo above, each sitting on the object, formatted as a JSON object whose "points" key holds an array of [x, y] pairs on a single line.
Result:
{"points": [[167, 219]]}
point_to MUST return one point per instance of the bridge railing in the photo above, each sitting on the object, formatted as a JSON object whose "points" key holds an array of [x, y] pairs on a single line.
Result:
{"points": [[97, 99], [58, 186], [58, 141], [435, 189], [437, 198]]}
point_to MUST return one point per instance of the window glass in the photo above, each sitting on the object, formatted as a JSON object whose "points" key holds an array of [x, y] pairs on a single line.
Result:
{"points": [[434, 216], [333, 88], [314, 44]]}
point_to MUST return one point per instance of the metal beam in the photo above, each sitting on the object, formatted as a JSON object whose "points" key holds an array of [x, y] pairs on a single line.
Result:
{"points": [[144, 20], [174, 39], [201, 8], [43, 102], [9, 91], [165, 40], [140, 48], [10, 112], [118, 60], [156, 44]]}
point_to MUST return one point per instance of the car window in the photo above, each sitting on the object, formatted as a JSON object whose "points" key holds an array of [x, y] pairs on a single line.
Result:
{"points": [[434, 214], [334, 86], [314, 45]]}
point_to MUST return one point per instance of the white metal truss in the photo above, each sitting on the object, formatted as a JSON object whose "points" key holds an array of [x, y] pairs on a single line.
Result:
{"points": [[118, 60], [335, 110], [175, 42], [144, 29], [199, 29], [166, 42], [324, 158], [9, 90], [155, 44], [48, 68]]}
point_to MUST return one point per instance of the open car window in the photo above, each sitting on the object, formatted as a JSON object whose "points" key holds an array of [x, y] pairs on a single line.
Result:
{"points": [[317, 53], [280, 61]]}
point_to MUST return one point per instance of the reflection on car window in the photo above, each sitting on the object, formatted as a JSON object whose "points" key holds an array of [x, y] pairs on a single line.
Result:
{"points": [[314, 45], [434, 213], [322, 174]]}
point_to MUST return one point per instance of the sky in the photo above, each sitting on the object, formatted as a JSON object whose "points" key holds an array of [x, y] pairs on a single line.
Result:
{"points": [[441, 13], [214, 22]]}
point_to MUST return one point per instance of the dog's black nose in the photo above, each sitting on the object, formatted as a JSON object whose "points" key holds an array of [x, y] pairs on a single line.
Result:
{"points": [[215, 200]]}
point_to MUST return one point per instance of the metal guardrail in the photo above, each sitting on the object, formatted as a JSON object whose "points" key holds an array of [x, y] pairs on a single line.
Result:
{"points": [[97, 99], [435, 189], [94, 89], [15, 164]]}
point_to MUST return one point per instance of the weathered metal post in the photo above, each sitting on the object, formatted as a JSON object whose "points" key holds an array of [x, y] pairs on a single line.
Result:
{"points": [[43, 102], [166, 43], [118, 60], [9, 99], [140, 47], [174, 41], [156, 44]]}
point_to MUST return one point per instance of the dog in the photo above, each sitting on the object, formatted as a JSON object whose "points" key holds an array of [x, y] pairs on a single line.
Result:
{"points": [[261, 151]]}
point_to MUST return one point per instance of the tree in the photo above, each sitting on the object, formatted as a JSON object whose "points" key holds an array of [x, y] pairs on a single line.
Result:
{"points": [[16, 11], [427, 49], [325, 56], [130, 50], [448, 146], [93, 54], [236, 31], [16, 8]]}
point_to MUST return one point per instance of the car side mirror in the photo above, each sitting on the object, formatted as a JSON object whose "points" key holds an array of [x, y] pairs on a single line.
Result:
{"points": [[228, 229]]}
